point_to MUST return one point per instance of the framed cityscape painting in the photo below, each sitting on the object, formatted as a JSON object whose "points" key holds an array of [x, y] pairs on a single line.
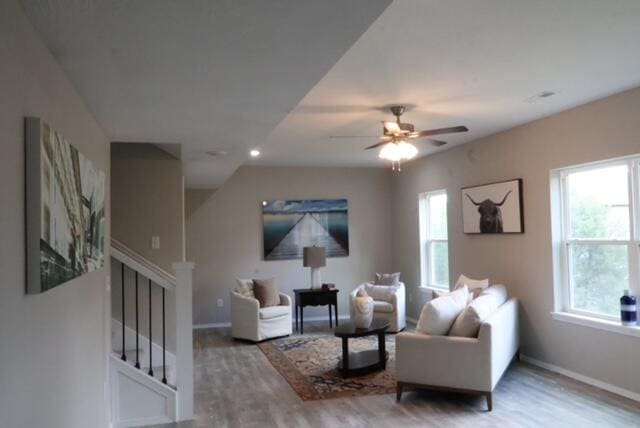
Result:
{"points": [[65, 209], [289, 226], [493, 208]]}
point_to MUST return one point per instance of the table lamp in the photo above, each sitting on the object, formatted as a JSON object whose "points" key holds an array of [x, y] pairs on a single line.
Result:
{"points": [[315, 258]]}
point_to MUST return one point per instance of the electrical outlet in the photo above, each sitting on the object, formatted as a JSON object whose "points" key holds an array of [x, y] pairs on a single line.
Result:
{"points": [[155, 242], [220, 303]]}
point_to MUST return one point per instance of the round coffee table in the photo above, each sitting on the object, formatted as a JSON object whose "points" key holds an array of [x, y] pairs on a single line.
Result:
{"points": [[370, 360]]}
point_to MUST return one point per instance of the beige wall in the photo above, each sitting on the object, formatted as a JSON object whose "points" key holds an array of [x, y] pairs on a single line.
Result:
{"points": [[53, 346], [147, 201], [604, 129], [224, 235]]}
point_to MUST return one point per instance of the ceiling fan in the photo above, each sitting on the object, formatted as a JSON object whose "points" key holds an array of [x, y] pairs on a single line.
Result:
{"points": [[395, 140]]}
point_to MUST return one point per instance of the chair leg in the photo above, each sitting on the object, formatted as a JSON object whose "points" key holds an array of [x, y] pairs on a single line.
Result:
{"points": [[490, 401], [399, 386]]}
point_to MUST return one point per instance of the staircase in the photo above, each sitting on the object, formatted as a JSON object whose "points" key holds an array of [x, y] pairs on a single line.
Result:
{"points": [[152, 341]]}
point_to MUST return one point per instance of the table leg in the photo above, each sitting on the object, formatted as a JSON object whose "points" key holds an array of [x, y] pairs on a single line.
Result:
{"points": [[382, 350], [330, 318], [345, 357], [335, 308], [296, 316], [301, 319]]}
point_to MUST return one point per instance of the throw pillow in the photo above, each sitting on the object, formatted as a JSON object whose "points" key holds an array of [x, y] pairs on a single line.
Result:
{"points": [[475, 285], [245, 288], [266, 292], [438, 315], [387, 278], [383, 293], [479, 310]]}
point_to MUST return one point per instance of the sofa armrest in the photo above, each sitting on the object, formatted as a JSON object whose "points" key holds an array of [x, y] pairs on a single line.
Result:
{"points": [[352, 296], [500, 334], [245, 317], [285, 300], [454, 362]]}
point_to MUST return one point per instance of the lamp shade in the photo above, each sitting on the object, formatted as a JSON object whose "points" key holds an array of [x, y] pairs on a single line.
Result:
{"points": [[314, 257]]}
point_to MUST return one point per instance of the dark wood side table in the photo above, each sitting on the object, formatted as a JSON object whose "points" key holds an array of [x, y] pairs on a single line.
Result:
{"points": [[359, 363], [309, 297]]}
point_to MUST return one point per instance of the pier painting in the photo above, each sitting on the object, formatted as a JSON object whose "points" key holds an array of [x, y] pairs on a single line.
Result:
{"points": [[289, 226]]}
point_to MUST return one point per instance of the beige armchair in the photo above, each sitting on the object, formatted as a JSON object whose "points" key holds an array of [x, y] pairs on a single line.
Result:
{"points": [[388, 305], [250, 322], [461, 364]]}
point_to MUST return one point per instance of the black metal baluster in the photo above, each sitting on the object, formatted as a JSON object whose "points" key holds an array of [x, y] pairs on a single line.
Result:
{"points": [[150, 336], [164, 351], [124, 356], [137, 329]]}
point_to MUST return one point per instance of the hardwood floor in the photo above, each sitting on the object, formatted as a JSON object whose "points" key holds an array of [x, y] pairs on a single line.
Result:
{"points": [[236, 386]]}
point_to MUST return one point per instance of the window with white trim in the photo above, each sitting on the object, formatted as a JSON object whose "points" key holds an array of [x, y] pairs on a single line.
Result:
{"points": [[599, 253], [434, 244]]}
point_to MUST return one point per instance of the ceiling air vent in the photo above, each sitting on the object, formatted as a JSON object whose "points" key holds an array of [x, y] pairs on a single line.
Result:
{"points": [[540, 96]]}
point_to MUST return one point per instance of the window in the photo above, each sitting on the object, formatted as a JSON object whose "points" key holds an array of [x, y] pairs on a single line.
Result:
{"points": [[598, 256], [434, 246]]}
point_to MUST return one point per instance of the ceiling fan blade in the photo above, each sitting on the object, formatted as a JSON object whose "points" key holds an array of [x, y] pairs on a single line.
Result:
{"points": [[439, 131], [437, 143], [381, 143], [353, 136]]}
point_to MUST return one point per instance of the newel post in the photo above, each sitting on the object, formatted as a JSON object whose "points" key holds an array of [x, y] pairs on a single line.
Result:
{"points": [[184, 339]]}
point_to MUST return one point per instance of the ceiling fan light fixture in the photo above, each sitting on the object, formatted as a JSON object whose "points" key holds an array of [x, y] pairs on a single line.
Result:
{"points": [[398, 151]]}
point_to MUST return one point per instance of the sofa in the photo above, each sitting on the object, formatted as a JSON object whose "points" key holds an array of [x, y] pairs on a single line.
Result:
{"points": [[460, 364], [389, 304], [251, 322]]}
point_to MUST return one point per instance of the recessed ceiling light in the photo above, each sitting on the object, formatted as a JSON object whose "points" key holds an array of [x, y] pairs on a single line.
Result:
{"points": [[254, 153]]}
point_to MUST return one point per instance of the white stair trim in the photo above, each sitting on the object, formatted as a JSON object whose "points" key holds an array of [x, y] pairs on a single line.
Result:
{"points": [[143, 266], [119, 369]]}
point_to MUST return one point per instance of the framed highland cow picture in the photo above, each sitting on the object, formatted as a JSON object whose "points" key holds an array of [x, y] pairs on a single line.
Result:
{"points": [[493, 208]]}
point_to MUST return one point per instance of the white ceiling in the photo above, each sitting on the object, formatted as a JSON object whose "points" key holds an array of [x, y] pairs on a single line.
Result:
{"points": [[462, 62], [229, 75], [211, 75]]}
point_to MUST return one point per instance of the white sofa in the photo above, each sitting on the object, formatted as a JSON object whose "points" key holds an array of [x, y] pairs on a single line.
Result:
{"points": [[460, 364], [250, 322], [392, 310]]}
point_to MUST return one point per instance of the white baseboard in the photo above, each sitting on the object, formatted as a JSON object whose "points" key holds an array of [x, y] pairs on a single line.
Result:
{"points": [[212, 325], [582, 378], [228, 324]]}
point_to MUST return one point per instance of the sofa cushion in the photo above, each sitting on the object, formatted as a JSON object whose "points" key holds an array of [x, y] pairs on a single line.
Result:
{"points": [[387, 278], [273, 312], [475, 285], [383, 307], [384, 293], [245, 288], [481, 308], [438, 315], [266, 292]]}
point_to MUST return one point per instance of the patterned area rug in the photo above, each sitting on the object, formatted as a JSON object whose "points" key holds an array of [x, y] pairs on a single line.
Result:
{"points": [[309, 365]]}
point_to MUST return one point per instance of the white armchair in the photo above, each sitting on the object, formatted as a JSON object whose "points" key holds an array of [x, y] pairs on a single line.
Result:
{"points": [[388, 304], [461, 364], [250, 322]]}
